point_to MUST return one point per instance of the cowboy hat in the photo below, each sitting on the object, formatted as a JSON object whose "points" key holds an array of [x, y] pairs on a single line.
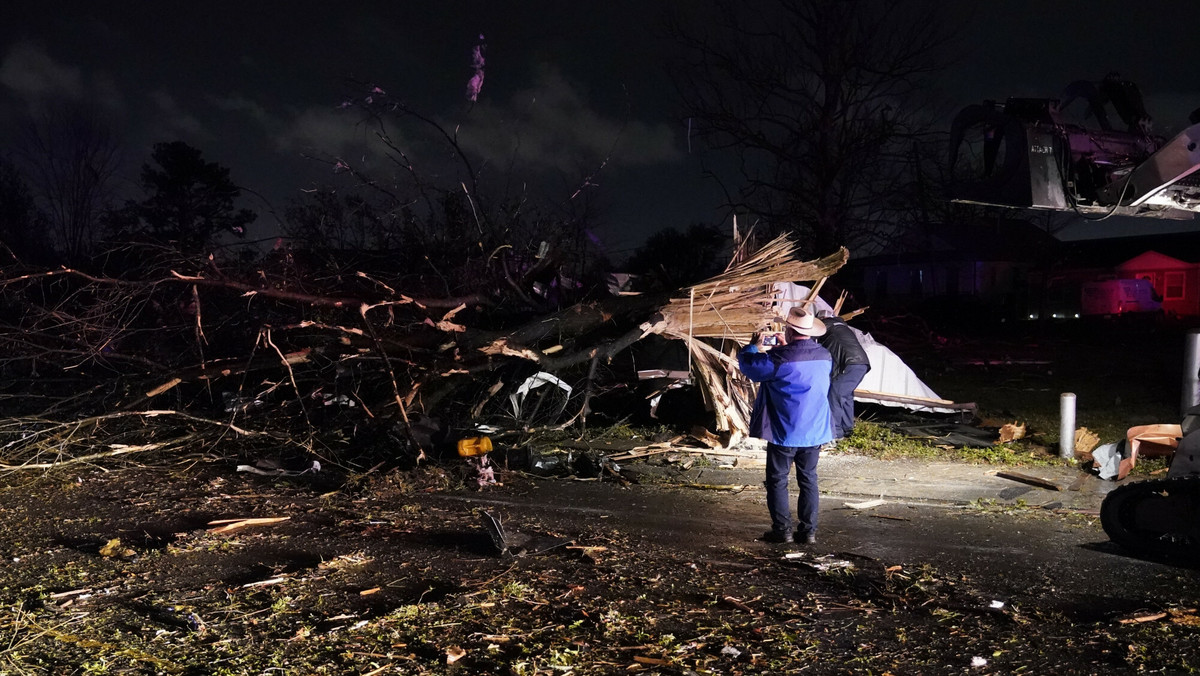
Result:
{"points": [[804, 322]]}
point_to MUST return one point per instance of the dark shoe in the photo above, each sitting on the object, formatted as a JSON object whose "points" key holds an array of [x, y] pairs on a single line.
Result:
{"points": [[806, 538], [776, 536]]}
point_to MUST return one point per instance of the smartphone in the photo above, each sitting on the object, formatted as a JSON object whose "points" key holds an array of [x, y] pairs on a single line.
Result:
{"points": [[770, 340]]}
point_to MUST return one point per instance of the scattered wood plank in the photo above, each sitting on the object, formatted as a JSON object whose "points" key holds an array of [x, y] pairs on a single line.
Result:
{"points": [[1031, 480], [264, 583], [739, 604], [847, 316], [716, 487], [866, 504], [588, 548], [633, 455], [163, 388], [707, 438], [225, 525], [73, 592], [724, 453], [906, 399], [1143, 618]]}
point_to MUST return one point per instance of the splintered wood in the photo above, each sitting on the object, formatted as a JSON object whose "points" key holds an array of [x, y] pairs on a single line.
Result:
{"points": [[226, 525], [1011, 432], [739, 302], [1085, 442], [732, 306]]}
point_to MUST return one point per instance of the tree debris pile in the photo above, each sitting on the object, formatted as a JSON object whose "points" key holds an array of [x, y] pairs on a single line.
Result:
{"points": [[336, 365]]}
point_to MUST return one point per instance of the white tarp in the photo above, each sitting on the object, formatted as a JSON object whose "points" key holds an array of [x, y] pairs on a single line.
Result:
{"points": [[517, 399], [888, 375]]}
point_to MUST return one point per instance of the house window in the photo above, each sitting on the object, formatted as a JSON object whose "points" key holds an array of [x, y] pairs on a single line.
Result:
{"points": [[1173, 286]]}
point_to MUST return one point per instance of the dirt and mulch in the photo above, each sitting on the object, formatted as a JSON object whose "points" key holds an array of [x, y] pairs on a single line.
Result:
{"points": [[200, 569]]}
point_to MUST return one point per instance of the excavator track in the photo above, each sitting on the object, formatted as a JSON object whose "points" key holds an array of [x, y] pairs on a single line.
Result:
{"points": [[1156, 516]]}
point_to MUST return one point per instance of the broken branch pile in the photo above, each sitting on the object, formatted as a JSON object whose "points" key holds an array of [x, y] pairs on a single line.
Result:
{"points": [[100, 367]]}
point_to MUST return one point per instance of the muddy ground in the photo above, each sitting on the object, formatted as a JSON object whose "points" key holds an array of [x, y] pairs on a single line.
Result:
{"points": [[127, 569], [126, 572]]}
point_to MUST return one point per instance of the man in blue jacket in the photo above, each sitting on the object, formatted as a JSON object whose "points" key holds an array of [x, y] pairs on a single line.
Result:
{"points": [[791, 412]]}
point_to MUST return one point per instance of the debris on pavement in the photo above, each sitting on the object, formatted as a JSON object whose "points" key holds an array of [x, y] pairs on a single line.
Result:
{"points": [[735, 488], [517, 544], [823, 563], [1107, 459], [273, 468], [591, 552], [1079, 483], [1114, 461], [740, 605], [866, 504], [113, 549], [454, 653], [1031, 480]]}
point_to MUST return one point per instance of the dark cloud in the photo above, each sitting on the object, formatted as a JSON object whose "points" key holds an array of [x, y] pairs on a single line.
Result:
{"points": [[33, 77], [569, 87]]}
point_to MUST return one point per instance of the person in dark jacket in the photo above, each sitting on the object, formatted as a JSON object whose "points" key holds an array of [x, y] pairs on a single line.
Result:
{"points": [[850, 366], [791, 412]]}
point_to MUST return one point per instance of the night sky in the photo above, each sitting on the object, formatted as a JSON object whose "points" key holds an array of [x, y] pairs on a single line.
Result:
{"points": [[256, 85]]}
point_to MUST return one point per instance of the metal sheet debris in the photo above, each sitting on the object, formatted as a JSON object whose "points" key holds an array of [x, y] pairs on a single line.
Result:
{"points": [[518, 544]]}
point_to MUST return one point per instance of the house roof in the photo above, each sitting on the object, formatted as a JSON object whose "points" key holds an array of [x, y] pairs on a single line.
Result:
{"points": [[1111, 252], [1152, 260], [1020, 241]]}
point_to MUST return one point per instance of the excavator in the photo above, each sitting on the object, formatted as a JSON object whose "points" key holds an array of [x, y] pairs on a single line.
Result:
{"points": [[1070, 155]]}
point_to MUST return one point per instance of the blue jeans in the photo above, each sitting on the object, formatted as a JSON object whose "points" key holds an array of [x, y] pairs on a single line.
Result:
{"points": [[779, 464]]}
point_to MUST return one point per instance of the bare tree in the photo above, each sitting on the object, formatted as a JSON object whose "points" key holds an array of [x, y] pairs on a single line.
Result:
{"points": [[71, 158], [820, 102], [20, 231], [452, 222]]}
